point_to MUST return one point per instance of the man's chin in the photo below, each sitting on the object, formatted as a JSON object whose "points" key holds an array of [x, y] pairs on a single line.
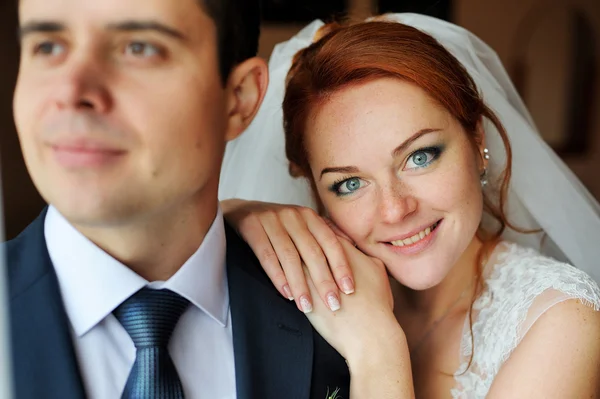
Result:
{"points": [[94, 216]]}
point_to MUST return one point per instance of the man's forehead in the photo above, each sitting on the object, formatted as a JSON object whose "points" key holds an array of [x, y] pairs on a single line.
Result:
{"points": [[180, 12]]}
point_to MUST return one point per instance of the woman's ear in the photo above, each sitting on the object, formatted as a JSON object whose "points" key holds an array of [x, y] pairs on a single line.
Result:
{"points": [[481, 146], [246, 89]]}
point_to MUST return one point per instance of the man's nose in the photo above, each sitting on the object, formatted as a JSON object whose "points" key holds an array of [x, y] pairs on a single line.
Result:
{"points": [[82, 84]]}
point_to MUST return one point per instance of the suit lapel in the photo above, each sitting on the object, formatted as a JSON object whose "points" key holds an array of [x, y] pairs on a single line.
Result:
{"points": [[273, 341], [44, 359]]}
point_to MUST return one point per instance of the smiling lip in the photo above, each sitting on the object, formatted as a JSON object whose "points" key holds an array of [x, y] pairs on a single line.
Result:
{"points": [[418, 246], [85, 153], [414, 232]]}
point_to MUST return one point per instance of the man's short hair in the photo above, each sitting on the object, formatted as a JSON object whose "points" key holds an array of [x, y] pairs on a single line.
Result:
{"points": [[238, 30]]}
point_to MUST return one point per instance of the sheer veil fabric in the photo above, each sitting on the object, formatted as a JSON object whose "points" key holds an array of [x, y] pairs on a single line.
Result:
{"points": [[544, 194]]}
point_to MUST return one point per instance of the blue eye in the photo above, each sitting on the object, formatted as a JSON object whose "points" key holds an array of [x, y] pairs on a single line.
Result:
{"points": [[347, 186], [142, 49], [49, 49], [423, 157]]}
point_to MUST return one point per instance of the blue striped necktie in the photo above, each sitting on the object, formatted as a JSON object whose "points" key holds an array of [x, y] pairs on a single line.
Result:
{"points": [[149, 317]]}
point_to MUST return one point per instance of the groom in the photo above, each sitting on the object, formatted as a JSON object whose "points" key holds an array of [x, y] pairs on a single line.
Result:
{"points": [[130, 284]]}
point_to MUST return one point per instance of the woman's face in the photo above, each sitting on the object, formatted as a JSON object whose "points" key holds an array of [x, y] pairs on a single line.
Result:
{"points": [[397, 173]]}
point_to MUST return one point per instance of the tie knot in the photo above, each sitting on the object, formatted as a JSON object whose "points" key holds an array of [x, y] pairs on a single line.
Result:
{"points": [[149, 316]]}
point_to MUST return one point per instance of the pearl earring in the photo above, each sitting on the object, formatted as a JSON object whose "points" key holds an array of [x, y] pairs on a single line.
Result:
{"points": [[483, 178], [484, 175]]}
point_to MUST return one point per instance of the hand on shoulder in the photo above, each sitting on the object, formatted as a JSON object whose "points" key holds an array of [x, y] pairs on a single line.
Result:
{"points": [[283, 237]]}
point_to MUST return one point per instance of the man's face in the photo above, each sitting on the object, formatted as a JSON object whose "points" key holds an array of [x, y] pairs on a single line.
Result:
{"points": [[119, 106]]}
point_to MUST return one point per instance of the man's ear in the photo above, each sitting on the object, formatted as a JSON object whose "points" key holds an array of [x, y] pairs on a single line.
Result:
{"points": [[246, 89]]}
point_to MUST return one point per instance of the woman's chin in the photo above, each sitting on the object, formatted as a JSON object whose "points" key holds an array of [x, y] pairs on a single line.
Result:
{"points": [[417, 277]]}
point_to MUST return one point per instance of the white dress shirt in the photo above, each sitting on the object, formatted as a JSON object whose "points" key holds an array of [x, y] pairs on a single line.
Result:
{"points": [[93, 284]]}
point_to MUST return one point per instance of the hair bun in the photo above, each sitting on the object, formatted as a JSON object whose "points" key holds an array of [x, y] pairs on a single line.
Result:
{"points": [[295, 170], [325, 30]]}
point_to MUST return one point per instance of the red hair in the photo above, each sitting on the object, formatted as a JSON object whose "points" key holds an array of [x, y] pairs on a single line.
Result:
{"points": [[363, 52]]}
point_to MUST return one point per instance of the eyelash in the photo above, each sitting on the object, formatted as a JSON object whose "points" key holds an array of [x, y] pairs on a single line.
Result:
{"points": [[37, 47], [436, 151], [160, 51], [335, 187]]}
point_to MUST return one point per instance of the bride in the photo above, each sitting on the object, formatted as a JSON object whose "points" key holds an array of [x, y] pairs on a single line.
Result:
{"points": [[411, 139]]}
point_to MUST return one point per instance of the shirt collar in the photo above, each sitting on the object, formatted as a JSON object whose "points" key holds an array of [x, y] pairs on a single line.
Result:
{"points": [[93, 284]]}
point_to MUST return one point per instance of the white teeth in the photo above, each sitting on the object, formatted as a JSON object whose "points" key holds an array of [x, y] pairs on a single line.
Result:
{"points": [[416, 238]]}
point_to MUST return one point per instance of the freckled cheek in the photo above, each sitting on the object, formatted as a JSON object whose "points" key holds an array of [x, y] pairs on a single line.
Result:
{"points": [[459, 191], [355, 219]]}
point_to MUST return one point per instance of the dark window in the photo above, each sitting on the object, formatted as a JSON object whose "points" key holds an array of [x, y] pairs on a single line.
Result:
{"points": [[436, 8], [301, 10]]}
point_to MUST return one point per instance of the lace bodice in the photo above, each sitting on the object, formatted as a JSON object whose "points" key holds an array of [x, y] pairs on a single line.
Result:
{"points": [[520, 285]]}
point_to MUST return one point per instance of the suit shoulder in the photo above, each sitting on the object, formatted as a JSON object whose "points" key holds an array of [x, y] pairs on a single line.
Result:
{"points": [[26, 257], [241, 256]]}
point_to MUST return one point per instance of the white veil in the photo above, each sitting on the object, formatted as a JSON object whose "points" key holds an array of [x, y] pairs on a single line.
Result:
{"points": [[544, 193]]}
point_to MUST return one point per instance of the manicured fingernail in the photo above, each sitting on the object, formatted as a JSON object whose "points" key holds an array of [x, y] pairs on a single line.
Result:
{"points": [[288, 292], [333, 302], [305, 305], [347, 285]]}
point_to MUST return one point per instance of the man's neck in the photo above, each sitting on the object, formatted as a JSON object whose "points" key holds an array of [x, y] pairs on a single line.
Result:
{"points": [[157, 247]]}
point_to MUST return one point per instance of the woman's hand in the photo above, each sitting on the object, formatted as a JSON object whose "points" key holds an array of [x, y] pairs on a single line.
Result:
{"points": [[366, 315], [284, 236], [366, 333]]}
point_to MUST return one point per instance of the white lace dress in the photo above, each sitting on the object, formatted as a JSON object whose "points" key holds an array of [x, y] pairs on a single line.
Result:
{"points": [[520, 286]]}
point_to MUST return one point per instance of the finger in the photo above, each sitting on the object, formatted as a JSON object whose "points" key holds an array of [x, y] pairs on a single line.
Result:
{"points": [[354, 254], [346, 284], [369, 271], [380, 272], [319, 307], [329, 241], [312, 256], [255, 235], [289, 259]]}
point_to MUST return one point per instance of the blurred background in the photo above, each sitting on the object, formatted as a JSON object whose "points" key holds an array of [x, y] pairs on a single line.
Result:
{"points": [[551, 49]]}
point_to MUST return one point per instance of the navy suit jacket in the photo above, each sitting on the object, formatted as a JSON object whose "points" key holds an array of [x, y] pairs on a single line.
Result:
{"points": [[277, 353]]}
